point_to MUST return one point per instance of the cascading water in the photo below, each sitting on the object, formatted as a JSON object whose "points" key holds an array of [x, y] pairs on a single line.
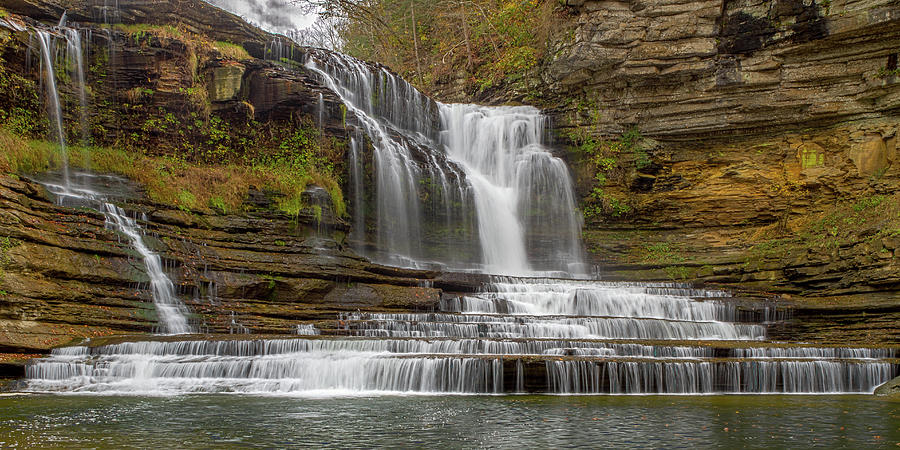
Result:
{"points": [[433, 162], [45, 39], [397, 175], [553, 344], [171, 311], [523, 194], [443, 168]]}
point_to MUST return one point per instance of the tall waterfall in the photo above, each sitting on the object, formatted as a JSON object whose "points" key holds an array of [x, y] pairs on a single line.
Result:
{"points": [[74, 64], [436, 165], [53, 105], [527, 218]]}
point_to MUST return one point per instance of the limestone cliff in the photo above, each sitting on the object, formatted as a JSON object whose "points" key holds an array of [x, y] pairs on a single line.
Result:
{"points": [[766, 150], [699, 69]]}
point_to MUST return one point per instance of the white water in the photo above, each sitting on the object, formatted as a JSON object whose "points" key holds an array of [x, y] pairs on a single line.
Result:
{"points": [[75, 58], [297, 366], [520, 188], [171, 311], [45, 39], [433, 162], [398, 211], [586, 337], [474, 353]]}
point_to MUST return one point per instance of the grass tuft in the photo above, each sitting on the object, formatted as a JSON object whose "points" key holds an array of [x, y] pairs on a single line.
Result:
{"points": [[231, 51]]}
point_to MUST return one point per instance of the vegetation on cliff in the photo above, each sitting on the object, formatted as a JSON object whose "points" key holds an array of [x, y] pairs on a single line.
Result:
{"points": [[168, 180], [162, 131]]}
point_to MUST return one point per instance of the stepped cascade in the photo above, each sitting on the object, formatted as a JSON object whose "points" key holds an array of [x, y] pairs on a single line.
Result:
{"points": [[552, 336], [468, 188]]}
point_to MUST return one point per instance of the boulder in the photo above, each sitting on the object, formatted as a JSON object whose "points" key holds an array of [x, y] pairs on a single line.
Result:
{"points": [[891, 388]]}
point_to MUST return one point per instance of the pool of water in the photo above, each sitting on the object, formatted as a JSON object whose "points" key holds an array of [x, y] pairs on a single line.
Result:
{"points": [[219, 421]]}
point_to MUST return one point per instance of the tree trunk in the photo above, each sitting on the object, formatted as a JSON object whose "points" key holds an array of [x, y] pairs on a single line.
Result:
{"points": [[415, 33]]}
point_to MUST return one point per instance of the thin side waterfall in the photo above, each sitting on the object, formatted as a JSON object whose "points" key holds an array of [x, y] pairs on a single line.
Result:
{"points": [[45, 39], [172, 313], [75, 63]]}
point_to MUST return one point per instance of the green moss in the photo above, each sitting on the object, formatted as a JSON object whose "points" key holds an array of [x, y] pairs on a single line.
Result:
{"points": [[6, 244], [186, 201], [21, 104], [662, 253], [677, 272], [217, 202], [317, 212]]}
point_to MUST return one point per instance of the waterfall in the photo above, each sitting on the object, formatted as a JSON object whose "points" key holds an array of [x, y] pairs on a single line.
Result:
{"points": [[522, 192], [472, 188], [75, 59], [74, 66], [54, 109], [399, 122], [434, 162], [171, 311]]}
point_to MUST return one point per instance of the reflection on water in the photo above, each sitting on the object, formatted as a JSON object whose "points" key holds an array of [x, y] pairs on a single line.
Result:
{"points": [[467, 421]]}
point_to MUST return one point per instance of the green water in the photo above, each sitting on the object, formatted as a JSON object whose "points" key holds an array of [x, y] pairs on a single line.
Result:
{"points": [[217, 421]]}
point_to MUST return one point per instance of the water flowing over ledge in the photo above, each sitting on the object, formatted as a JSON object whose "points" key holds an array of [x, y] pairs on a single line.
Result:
{"points": [[498, 201], [562, 349], [468, 188], [80, 190]]}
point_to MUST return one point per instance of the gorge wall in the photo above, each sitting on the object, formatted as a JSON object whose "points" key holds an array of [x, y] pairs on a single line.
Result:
{"points": [[729, 141]]}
